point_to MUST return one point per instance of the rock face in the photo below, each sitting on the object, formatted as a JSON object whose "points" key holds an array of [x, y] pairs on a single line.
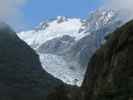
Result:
{"points": [[110, 71], [21, 74]]}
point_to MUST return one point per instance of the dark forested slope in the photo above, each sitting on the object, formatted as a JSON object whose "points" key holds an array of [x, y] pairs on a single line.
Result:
{"points": [[21, 74], [110, 72]]}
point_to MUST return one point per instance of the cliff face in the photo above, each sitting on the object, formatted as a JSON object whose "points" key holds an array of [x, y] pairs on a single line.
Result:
{"points": [[110, 72], [21, 74]]}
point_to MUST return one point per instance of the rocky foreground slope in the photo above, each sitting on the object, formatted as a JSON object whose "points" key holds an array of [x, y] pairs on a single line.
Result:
{"points": [[110, 72]]}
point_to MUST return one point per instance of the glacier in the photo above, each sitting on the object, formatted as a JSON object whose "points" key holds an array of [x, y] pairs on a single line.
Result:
{"points": [[65, 44]]}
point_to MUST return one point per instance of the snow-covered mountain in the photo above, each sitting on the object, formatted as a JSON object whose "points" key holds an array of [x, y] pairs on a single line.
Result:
{"points": [[65, 44], [53, 29]]}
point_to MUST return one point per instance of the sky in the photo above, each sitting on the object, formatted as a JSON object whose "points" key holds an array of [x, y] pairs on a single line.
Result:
{"points": [[27, 14], [37, 10]]}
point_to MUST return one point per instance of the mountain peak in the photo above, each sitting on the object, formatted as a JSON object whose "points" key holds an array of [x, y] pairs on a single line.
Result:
{"points": [[61, 19], [59, 23]]}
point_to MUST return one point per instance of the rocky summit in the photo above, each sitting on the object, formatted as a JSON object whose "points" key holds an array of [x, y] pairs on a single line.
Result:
{"points": [[109, 74]]}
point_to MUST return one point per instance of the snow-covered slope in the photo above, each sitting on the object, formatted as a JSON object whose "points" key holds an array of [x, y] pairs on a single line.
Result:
{"points": [[65, 44], [52, 29]]}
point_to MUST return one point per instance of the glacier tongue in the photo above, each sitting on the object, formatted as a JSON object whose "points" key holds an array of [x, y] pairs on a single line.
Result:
{"points": [[61, 69]]}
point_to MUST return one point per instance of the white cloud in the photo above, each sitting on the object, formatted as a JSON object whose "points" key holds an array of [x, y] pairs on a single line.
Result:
{"points": [[124, 6], [10, 8], [10, 11]]}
